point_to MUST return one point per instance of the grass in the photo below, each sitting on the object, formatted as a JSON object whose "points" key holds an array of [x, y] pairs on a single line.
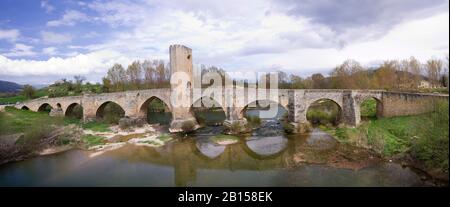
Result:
{"points": [[97, 126], [425, 136], [92, 140], [369, 108], [150, 142], [15, 120], [21, 98], [164, 137]]}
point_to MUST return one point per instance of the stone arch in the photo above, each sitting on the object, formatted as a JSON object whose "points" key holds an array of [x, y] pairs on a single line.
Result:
{"points": [[339, 115], [45, 107], [379, 105], [143, 108], [203, 103], [70, 109], [256, 103], [25, 108], [100, 110]]}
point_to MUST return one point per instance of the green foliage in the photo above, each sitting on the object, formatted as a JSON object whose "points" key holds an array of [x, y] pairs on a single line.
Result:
{"points": [[201, 119], [28, 91], [432, 143], [15, 120], [425, 136], [92, 140], [253, 121], [288, 128], [323, 112], [369, 108], [164, 137], [20, 98], [96, 126], [111, 113]]}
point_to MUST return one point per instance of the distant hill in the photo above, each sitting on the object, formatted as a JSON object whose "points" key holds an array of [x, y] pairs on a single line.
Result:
{"points": [[9, 87]]}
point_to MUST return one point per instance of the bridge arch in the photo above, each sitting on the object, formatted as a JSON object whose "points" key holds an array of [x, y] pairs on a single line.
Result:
{"points": [[207, 104], [74, 110], [25, 108], [262, 104], [160, 107], [110, 111], [369, 107], [45, 107], [324, 111]]}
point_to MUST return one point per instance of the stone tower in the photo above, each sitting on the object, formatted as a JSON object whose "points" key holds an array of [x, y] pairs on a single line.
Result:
{"points": [[181, 87]]}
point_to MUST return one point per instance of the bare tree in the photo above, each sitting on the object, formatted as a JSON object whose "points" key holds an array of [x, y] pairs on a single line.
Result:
{"points": [[434, 68], [134, 75]]}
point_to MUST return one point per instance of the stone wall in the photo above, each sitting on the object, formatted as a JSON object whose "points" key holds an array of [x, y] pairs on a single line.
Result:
{"points": [[403, 104]]}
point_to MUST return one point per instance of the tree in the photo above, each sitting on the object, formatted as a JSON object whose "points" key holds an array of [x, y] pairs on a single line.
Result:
{"points": [[385, 76], [160, 72], [134, 75], [149, 73], [79, 83], [434, 67], [416, 70], [106, 86], [28, 91], [318, 81], [341, 76], [118, 77]]}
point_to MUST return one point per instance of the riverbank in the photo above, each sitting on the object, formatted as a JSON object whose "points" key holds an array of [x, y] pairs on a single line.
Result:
{"points": [[26, 134], [420, 142]]}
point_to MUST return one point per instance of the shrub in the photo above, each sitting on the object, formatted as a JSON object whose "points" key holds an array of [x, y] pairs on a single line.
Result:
{"points": [[432, 140], [288, 128], [188, 126], [201, 119], [253, 121], [125, 123]]}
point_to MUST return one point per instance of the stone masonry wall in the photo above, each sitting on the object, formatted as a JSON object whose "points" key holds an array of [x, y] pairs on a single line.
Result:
{"points": [[403, 104]]}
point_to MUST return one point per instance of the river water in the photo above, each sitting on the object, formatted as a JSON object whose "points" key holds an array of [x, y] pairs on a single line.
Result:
{"points": [[267, 157]]}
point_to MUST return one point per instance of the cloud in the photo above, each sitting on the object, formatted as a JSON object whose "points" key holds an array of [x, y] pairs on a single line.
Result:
{"points": [[20, 50], [49, 50], [47, 6], [82, 64], [55, 38], [70, 18], [9, 35], [363, 19], [295, 36]]}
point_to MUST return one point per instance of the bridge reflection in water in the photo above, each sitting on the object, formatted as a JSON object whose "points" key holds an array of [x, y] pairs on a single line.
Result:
{"points": [[298, 160]]}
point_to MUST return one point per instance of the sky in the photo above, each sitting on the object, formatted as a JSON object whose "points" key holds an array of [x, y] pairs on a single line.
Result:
{"points": [[45, 40]]}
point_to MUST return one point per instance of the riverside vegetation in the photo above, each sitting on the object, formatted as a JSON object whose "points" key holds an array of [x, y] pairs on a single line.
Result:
{"points": [[420, 141], [25, 133]]}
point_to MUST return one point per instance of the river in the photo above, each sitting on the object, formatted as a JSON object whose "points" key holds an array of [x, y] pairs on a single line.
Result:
{"points": [[267, 157]]}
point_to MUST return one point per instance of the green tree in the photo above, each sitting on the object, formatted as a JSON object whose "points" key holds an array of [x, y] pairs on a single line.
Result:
{"points": [[28, 91]]}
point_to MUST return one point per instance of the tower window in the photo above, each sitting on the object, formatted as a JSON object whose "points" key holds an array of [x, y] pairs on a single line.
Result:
{"points": [[189, 57]]}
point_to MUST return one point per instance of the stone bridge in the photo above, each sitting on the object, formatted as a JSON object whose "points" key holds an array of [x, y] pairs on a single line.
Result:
{"points": [[234, 100]]}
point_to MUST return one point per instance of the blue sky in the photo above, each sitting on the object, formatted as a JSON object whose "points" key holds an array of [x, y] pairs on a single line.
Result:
{"points": [[44, 40]]}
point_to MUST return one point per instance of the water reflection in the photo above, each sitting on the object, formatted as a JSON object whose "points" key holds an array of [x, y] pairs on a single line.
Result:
{"points": [[308, 160]]}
